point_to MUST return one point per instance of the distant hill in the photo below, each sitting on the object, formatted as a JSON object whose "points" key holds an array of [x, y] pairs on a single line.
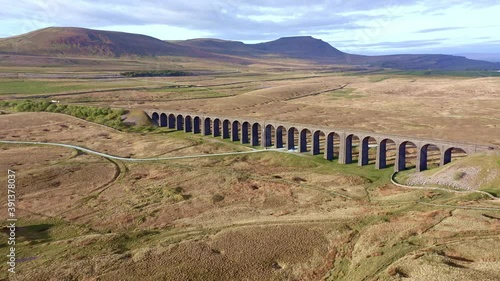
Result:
{"points": [[493, 57], [80, 41], [429, 62], [219, 46], [62, 41], [300, 47], [307, 47]]}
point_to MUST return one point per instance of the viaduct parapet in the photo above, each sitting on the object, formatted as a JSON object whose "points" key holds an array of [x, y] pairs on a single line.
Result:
{"points": [[316, 139]]}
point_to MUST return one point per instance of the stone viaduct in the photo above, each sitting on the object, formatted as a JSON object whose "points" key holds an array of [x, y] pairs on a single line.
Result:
{"points": [[316, 139]]}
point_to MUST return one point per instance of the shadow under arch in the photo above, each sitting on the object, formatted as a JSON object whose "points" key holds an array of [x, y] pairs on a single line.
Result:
{"points": [[216, 127], [207, 126], [171, 121], [188, 124], [428, 153], [163, 120], [451, 154], [256, 135], [280, 142], [367, 150], [292, 138], [196, 125], [352, 143], [386, 151], [245, 132], [305, 138], [180, 122], [155, 117], [318, 137], [406, 153], [269, 135]]}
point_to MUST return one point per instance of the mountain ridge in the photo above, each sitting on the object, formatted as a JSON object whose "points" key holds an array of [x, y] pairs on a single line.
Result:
{"points": [[89, 42]]}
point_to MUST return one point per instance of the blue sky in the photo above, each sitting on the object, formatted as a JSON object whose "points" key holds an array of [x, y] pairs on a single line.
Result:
{"points": [[356, 26]]}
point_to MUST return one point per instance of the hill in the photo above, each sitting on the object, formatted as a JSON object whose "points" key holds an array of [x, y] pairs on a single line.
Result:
{"points": [[218, 46], [300, 47], [88, 42], [309, 48], [63, 41], [429, 62]]}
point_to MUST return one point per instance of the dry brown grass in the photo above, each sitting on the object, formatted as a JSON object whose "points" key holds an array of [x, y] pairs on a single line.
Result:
{"points": [[250, 253], [158, 220], [459, 109], [281, 218], [51, 127]]}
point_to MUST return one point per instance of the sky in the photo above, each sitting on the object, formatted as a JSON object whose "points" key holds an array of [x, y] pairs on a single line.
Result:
{"points": [[355, 26]]}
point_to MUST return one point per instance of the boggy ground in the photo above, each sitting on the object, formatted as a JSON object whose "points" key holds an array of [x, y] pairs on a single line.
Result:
{"points": [[266, 216]]}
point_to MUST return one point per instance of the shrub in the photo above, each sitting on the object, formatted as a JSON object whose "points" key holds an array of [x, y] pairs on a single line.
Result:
{"points": [[217, 198], [459, 175], [394, 270], [155, 73], [298, 179], [106, 116]]}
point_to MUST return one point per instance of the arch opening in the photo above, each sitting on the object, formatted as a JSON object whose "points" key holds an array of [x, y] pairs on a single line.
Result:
{"points": [[269, 138], [292, 138], [216, 128], [386, 154], [429, 156], [226, 129], [305, 140], [256, 134], [406, 156], [155, 118], [188, 124], [171, 121], [196, 125], [281, 140], [332, 144], [235, 131], [452, 154], [180, 122], [367, 151], [207, 126], [352, 143], [245, 132], [163, 120], [318, 143]]}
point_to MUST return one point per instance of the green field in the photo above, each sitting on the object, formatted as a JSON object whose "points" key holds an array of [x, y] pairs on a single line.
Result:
{"points": [[39, 87]]}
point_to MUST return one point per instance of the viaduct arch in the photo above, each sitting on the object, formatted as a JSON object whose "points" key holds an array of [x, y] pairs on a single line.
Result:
{"points": [[349, 145]]}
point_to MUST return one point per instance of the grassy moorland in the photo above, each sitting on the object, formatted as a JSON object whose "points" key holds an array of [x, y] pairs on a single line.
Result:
{"points": [[259, 216], [265, 216]]}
